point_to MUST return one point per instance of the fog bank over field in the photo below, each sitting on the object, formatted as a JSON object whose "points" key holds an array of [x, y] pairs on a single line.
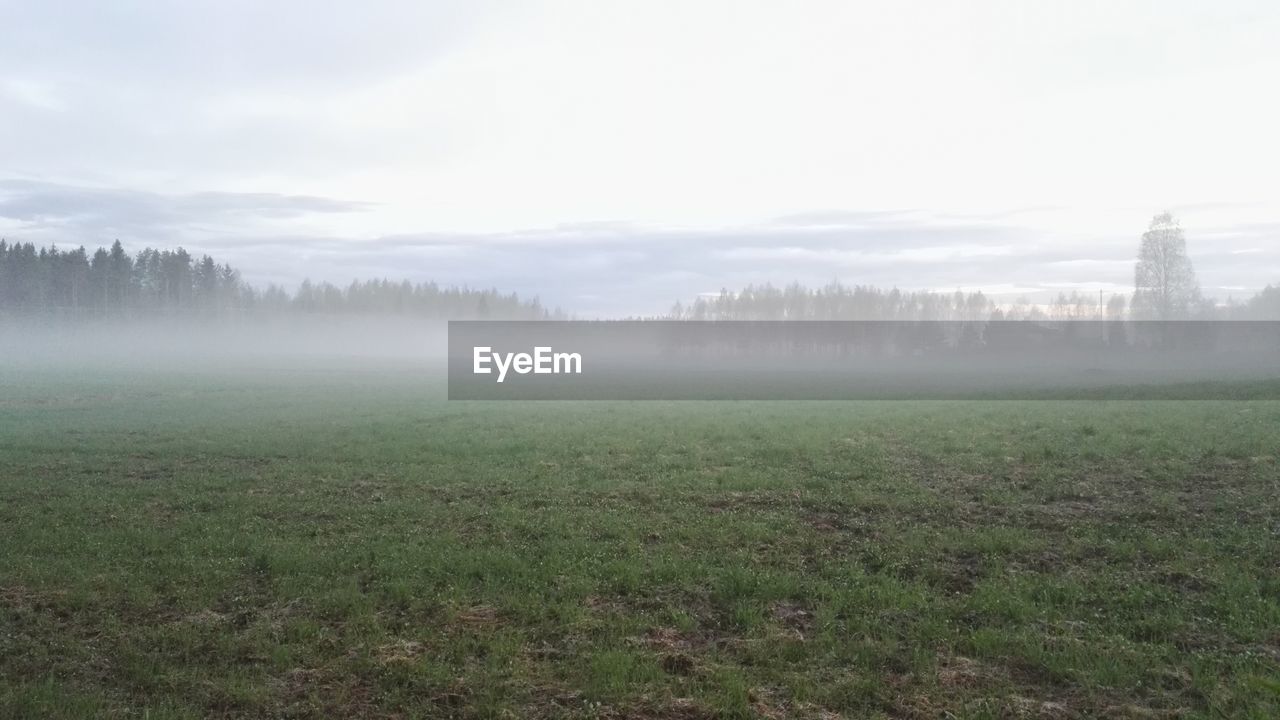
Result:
{"points": [[177, 344]]}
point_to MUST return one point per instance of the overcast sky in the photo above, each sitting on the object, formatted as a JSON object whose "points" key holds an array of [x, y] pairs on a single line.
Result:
{"points": [[613, 157]]}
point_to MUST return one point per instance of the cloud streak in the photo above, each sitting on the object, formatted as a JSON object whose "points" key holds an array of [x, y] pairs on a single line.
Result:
{"points": [[48, 207]]}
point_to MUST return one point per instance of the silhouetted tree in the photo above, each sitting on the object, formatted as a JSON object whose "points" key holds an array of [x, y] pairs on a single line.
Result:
{"points": [[1165, 286]]}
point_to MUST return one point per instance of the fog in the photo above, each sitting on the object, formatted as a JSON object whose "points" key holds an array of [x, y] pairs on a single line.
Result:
{"points": [[181, 344]]}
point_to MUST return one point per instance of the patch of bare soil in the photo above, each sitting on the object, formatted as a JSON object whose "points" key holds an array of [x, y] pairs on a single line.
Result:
{"points": [[955, 671], [793, 617], [961, 573], [479, 615], [677, 663]]}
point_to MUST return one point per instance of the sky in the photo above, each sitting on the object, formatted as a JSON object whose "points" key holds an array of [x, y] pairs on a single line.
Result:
{"points": [[613, 157]]}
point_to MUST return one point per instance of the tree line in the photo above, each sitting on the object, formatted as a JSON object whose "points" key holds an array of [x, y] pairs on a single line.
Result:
{"points": [[837, 301], [834, 302], [49, 282], [40, 281], [1165, 288]]}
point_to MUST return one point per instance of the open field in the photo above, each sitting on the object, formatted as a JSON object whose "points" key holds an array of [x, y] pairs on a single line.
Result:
{"points": [[341, 542]]}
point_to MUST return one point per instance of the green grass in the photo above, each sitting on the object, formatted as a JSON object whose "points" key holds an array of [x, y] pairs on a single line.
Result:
{"points": [[336, 542]]}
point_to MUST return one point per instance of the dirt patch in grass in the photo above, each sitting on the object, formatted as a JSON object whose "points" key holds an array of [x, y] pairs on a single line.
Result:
{"points": [[669, 640], [479, 616], [206, 618], [960, 571], [20, 597], [677, 664], [956, 671], [853, 524], [792, 616]]}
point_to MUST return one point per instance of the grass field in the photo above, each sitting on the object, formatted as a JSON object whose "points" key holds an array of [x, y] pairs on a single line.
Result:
{"points": [[341, 542]]}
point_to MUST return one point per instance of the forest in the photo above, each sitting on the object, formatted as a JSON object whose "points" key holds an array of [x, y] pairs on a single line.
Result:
{"points": [[49, 282]]}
